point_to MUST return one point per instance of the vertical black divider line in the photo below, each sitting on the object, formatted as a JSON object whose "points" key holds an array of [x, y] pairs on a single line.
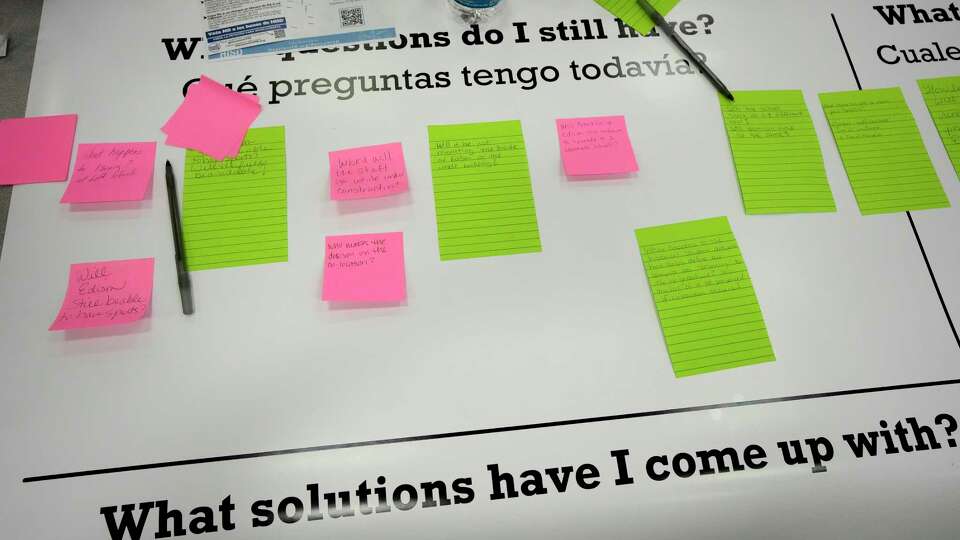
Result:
{"points": [[846, 51], [913, 225], [933, 278]]}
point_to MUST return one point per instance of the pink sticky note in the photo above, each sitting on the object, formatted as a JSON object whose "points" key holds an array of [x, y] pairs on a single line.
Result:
{"points": [[365, 268], [596, 146], [212, 119], [36, 149], [367, 172], [106, 293], [108, 172]]}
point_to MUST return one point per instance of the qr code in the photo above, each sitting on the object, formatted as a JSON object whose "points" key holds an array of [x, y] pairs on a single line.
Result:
{"points": [[351, 16]]}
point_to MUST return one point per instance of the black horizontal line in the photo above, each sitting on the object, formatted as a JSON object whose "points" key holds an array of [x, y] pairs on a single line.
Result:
{"points": [[501, 250], [764, 337], [714, 261], [719, 365], [445, 223], [441, 140], [217, 258], [690, 239], [735, 351], [232, 263], [755, 321], [738, 306], [705, 338], [936, 197], [687, 255], [533, 230], [489, 431]]}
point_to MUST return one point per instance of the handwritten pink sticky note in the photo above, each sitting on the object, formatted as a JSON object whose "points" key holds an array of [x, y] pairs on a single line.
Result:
{"points": [[36, 149], [212, 119], [365, 268], [596, 146], [105, 294], [367, 172], [108, 172]]}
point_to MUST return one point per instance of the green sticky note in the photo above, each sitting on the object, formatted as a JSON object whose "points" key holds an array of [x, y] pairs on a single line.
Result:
{"points": [[235, 210], [630, 12], [943, 99], [482, 190], [777, 153], [708, 310], [883, 153]]}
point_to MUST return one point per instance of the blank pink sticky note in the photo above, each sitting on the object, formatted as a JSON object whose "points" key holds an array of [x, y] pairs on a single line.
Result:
{"points": [[596, 146], [105, 294], [212, 119], [108, 172], [367, 172], [365, 268], [36, 149]]}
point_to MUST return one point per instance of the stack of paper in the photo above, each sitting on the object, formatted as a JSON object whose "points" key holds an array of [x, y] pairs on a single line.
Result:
{"points": [[111, 172], [704, 297], [36, 149], [212, 119], [630, 12], [368, 172], [886, 161], [481, 185], [105, 294], [598, 146], [365, 268], [943, 99], [235, 210], [777, 153]]}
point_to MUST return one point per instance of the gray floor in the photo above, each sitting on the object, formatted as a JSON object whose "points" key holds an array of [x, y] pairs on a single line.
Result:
{"points": [[19, 20]]}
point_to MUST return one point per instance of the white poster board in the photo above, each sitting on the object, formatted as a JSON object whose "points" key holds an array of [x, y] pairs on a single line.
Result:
{"points": [[526, 362]]}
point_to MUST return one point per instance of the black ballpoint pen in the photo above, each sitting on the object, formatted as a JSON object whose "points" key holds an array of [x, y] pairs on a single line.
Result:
{"points": [[183, 277], [668, 30]]}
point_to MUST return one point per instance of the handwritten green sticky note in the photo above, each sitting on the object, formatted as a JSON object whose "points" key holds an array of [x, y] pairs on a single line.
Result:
{"points": [[235, 210], [886, 162], [777, 153], [943, 99], [482, 190], [630, 12], [708, 310]]}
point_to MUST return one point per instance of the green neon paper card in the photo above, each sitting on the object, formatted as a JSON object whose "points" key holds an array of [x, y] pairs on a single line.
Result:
{"points": [[630, 12], [482, 190], [777, 153], [886, 161], [943, 100], [235, 210], [708, 309]]}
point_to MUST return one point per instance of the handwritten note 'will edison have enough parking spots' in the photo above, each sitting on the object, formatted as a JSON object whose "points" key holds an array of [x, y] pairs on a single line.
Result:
{"points": [[708, 309]]}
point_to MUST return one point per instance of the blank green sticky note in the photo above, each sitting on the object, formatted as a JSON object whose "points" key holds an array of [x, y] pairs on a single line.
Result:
{"points": [[887, 164], [482, 190], [630, 12], [235, 210], [777, 153], [704, 297], [943, 99]]}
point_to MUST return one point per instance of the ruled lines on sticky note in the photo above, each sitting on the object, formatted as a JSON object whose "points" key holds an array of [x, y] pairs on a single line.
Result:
{"points": [[777, 153], [630, 12], [708, 310], [887, 164], [235, 210], [942, 96], [482, 190]]}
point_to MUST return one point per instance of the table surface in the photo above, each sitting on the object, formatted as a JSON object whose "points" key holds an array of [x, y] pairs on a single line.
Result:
{"points": [[20, 21]]}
